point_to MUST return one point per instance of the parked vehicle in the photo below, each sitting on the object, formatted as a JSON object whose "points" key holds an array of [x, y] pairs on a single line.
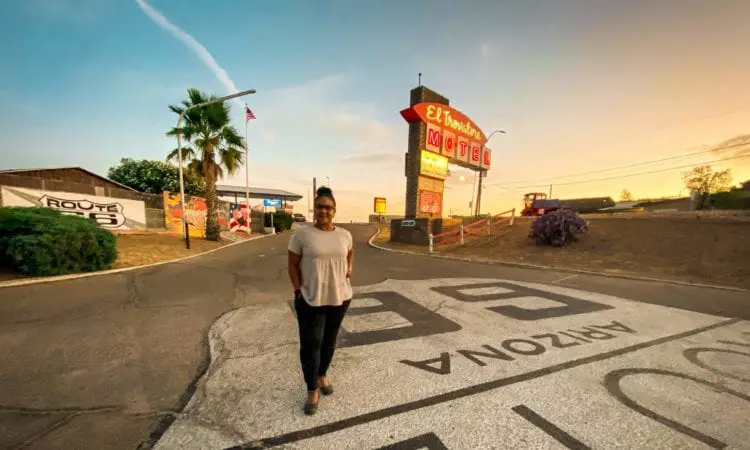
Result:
{"points": [[299, 217], [536, 204]]}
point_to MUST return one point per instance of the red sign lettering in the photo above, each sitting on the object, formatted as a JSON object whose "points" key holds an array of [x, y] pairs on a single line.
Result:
{"points": [[463, 148], [434, 137], [476, 152]]}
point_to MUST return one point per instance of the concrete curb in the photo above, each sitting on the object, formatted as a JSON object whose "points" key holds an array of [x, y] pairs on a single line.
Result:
{"points": [[493, 262], [24, 282]]}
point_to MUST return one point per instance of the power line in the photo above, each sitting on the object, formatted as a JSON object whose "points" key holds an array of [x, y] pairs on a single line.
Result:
{"points": [[628, 165], [632, 174]]}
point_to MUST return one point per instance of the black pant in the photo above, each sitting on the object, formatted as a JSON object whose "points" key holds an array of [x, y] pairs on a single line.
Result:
{"points": [[318, 329]]}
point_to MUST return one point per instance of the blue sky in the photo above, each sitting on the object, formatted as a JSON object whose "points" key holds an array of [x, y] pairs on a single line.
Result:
{"points": [[579, 85]]}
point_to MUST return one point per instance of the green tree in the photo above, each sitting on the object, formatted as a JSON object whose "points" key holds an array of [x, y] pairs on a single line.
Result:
{"points": [[211, 146], [626, 196], [705, 181], [153, 177]]}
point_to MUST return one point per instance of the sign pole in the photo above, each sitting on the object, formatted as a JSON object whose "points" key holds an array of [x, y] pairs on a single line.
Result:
{"points": [[479, 194], [247, 169]]}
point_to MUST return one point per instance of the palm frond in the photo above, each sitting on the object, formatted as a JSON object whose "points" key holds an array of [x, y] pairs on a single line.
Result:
{"points": [[187, 153], [196, 96], [176, 109], [195, 168], [232, 158], [231, 137], [214, 144]]}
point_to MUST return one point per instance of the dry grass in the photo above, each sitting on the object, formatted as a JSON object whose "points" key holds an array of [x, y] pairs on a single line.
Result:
{"points": [[712, 251], [139, 249]]}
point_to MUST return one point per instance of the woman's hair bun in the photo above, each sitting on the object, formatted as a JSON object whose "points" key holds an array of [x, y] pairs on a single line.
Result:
{"points": [[324, 191]]}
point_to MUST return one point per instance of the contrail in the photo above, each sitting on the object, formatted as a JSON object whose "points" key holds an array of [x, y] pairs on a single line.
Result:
{"points": [[188, 40]]}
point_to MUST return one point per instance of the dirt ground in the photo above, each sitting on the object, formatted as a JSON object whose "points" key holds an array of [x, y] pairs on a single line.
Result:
{"points": [[698, 250], [140, 249]]}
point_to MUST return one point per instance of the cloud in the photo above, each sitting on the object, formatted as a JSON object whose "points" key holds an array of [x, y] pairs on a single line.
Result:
{"points": [[194, 45], [314, 129]]}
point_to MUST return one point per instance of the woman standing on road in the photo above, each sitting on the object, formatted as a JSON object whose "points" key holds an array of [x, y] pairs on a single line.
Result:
{"points": [[320, 268]]}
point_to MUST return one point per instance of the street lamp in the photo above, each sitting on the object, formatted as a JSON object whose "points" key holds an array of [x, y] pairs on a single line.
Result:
{"points": [[479, 189], [179, 153]]}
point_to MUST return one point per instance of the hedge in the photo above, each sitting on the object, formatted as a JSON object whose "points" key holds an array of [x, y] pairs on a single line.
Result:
{"points": [[281, 221], [42, 241]]}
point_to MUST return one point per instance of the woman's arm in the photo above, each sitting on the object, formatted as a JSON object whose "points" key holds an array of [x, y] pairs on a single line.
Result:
{"points": [[293, 267], [349, 262]]}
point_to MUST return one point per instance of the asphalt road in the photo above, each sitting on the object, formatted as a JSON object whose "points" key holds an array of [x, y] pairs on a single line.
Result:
{"points": [[434, 353]]}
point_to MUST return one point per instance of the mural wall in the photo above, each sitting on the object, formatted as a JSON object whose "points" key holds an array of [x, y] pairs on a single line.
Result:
{"points": [[195, 211], [110, 213], [239, 219]]}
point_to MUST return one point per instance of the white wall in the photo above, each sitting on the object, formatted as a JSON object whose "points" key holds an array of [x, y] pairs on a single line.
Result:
{"points": [[111, 213]]}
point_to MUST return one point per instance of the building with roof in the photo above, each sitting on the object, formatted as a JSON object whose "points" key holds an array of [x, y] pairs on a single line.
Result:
{"points": [[70, 174], [78, 189], [238, 193]]}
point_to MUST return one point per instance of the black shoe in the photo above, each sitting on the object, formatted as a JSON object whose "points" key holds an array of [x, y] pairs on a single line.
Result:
{"points": [[326, 389], [311, 408]]}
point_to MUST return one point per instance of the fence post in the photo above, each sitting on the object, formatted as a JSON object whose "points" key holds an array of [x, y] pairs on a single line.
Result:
{"points": [[461, 231], [512, 216], [430, 246], [489, 225]]}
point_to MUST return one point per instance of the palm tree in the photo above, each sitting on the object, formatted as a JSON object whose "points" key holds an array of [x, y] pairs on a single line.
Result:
{"points": [[208, 136]]}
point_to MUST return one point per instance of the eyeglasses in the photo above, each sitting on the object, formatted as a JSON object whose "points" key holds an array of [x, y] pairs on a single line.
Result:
{"points": [[325, 207]]}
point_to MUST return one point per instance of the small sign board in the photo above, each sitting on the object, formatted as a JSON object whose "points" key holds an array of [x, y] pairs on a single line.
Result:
{"points": [[408, 223], [379, 206], [433, 165], [272, 202]]}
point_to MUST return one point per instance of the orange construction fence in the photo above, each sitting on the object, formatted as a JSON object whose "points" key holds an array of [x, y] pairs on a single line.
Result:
{"points": [[482, 227]]}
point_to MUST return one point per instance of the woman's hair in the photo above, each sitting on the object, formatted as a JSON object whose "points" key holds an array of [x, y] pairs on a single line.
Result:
{"points": [[325, 191]]}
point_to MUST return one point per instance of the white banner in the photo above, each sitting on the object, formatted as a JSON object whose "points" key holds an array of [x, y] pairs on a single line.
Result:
{"points": [[110, 213]]}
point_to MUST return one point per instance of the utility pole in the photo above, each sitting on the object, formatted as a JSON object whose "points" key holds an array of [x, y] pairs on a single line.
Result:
{"points": [[479, 193], [483, 173], [314, 192], [550, 192]]}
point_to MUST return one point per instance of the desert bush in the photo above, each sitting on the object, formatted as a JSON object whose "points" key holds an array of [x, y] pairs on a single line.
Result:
{"points": [[558, 228], [42, 241]]}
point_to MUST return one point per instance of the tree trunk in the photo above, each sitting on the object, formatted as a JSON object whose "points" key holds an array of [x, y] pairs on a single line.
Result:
{"points": [[213, 232]]}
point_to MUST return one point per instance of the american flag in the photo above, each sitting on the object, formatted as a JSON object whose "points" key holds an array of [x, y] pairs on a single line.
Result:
{"points": [[248, 114]]}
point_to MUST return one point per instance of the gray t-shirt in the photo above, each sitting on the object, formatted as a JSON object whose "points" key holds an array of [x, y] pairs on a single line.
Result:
{"points": [[323, 264]]}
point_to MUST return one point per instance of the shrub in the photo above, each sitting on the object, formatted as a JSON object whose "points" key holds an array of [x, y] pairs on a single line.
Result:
{"points": [[281, 221], [558, 228], [41, 241]]}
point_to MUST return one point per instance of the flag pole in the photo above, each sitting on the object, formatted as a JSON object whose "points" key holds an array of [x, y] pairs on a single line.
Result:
{"points": [[247, 170]]}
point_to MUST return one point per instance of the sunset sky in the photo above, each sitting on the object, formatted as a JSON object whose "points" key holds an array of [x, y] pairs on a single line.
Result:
{"points": [[579, 86]]}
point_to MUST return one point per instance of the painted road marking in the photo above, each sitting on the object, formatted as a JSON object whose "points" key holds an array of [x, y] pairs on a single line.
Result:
{"points": [[550, 428], [468, 352], [634, 399]]}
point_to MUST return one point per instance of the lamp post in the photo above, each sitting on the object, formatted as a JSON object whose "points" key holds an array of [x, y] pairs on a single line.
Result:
{"points": [[481, 175], [179, 154]]}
